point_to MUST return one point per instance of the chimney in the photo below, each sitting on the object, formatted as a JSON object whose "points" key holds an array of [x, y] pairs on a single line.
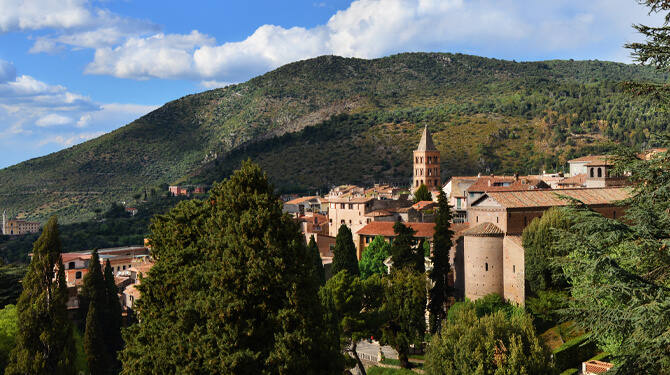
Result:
{"points": [[516, 176], [489, 182]]}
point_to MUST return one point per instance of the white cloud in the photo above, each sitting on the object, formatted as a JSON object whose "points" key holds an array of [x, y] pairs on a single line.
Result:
{"points": [[37, 118], [22, 15], [510, 29], [53, 120]]}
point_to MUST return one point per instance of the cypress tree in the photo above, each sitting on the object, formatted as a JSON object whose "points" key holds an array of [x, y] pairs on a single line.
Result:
{"points": [[94, 346], [93, 289], [231, 291], [313, 252], [44, 341], [403, 248], [441, 291], [344, 253], [113, 317], [422, 194]]}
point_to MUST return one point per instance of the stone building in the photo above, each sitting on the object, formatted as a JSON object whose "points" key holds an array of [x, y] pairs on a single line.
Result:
{"points": [[14, 227], [427, 163], [489, 257]]}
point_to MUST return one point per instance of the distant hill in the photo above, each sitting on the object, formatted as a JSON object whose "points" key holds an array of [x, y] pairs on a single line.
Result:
{"points": [[332, 120]]}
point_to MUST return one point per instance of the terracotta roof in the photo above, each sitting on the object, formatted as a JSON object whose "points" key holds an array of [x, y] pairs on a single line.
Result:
{"points": [[487, 184], [551, 198], [132, 291], [486, 229], [120, 280], [589, 158], [301, 200], [142, 267], [385, 228], [378, 213], [579, 179], [350, 200], [459, 229], [597, 367], [68, 257], [423, 204], [603, 160], [426, 143]]}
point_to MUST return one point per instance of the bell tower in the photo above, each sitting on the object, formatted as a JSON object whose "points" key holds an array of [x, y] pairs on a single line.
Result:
{"points": [[427, 163]]}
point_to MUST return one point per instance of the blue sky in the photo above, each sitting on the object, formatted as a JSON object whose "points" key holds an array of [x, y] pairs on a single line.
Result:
{"points": [[71, 70]]}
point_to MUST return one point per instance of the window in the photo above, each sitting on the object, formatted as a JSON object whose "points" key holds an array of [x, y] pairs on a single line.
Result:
{"points": [[497, 221], [342, 221], [77, 275], [591, 172], [487, 266], [342, 206], [513, 269], [614, 215], [525, 220], [600, 172], [477, 219], [458, 203], [351, 206], [367, 239], [124, 268], [70, 265]]}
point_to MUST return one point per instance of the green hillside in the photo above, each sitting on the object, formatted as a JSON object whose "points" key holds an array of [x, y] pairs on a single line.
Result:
{"points": [[332, 120]]}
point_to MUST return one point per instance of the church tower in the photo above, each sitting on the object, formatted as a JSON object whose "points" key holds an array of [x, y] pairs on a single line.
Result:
{"points": [[427, 164]]}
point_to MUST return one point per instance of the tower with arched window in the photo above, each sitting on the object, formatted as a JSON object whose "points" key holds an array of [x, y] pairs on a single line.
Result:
{"points": [[426, 163]]}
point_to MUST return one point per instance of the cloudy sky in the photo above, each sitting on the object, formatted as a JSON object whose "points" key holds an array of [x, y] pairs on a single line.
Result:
{"points": [[71, 70]]}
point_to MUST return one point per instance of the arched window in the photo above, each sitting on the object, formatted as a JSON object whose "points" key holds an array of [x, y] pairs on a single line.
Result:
{"points": [[600, 172], [77, 275], [487, 266], [591, 172]]}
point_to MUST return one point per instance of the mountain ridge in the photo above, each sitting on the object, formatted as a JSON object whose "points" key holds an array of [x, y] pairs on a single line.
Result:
{"points": [[493, 105]]}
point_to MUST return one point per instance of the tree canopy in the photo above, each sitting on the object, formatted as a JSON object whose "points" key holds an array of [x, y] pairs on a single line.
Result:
{"points": [[440, 291], [372, 260], [493, 344], [422, 194], [404, 250], [344, 253], [231, 290], [44, 340]]}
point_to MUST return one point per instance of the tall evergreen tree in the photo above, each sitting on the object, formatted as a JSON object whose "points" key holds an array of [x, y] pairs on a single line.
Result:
{"points": [[344, 253], [44, 342], [422, 194], [441, 291], [231, 291], [113, 318], [405, 305], [313, 252], [94, 344], [404, 248], [372, 260], [93, 289]]}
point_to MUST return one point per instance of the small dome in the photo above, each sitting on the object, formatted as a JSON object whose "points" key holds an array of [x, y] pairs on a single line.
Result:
{"points": [[486, 229]]}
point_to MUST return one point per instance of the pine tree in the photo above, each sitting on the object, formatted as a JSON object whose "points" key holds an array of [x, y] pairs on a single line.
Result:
{"points": [[44, 342], [93, 289], [372, 260], [319, 271], [405, 305], [113, 317], [404, 248], [231, 290], [422, 194], [344, 253], [441, 291], [94, 345]]}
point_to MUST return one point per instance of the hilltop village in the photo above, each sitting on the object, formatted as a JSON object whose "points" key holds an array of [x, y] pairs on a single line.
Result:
{"points": [[489, 215]]}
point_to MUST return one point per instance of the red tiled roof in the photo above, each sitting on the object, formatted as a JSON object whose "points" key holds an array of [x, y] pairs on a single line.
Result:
{"points": [[579, 179], [422, 204], [459, 229], [487, 184], [301, 200], [132, 291], [486, 229], [68, 257], [378, 213], [350, 200], [551, 198], [385, 228], [597, 367], [589, 158]]}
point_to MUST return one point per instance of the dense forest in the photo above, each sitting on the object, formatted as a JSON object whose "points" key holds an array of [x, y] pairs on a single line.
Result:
{"points": [[309, 122]]}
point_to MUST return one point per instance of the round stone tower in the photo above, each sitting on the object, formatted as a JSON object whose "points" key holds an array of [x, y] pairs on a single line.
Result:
{"points": [[483, 261]]}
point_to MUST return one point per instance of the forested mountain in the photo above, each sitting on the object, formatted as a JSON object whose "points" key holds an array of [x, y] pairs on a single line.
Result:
{"points": [[332, 120]]}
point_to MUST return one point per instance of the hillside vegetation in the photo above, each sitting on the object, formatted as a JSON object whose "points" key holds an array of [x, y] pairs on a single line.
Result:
{"points": [[333, 120]]}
